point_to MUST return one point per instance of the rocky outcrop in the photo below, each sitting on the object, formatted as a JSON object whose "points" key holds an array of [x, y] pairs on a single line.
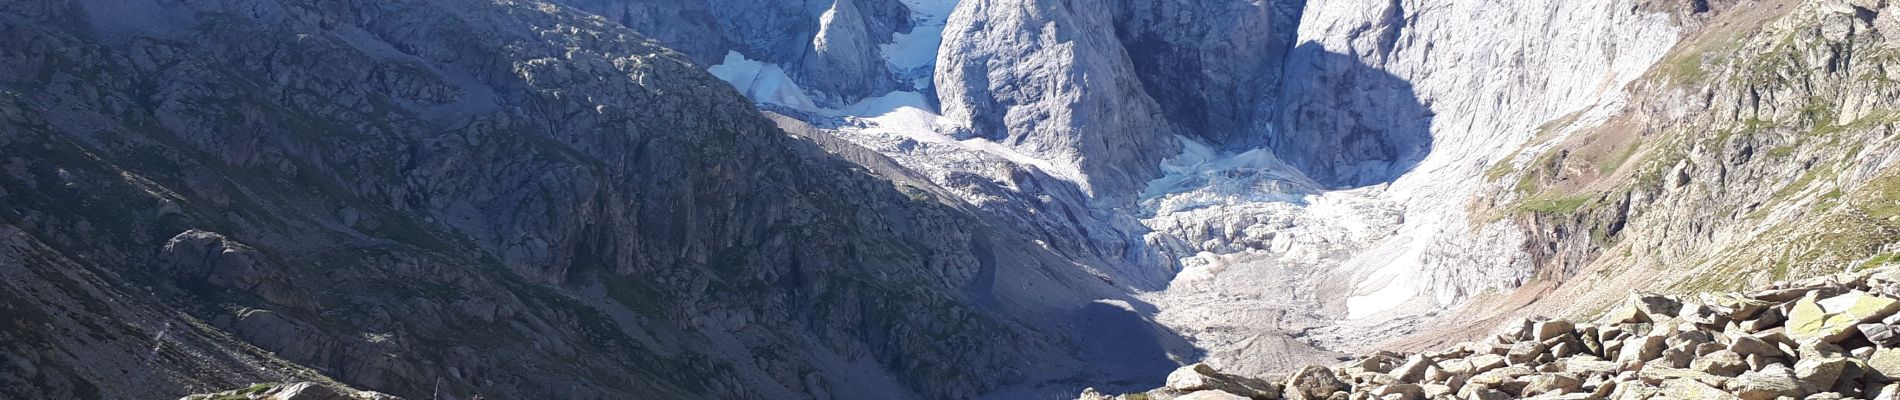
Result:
{"points": [[1050, 79], [1828, 337], [510, 199], [1103, 90], [831, 47]]}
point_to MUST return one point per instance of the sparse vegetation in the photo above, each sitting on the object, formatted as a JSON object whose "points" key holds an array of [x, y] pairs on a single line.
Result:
{"points": [[1557, 205]]}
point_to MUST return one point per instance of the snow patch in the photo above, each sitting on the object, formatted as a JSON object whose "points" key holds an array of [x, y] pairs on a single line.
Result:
{"points": [[913, 55], [762, 82]]}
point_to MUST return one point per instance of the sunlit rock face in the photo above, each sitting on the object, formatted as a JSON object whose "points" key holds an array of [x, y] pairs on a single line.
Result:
{"points": [[1190, 150]]}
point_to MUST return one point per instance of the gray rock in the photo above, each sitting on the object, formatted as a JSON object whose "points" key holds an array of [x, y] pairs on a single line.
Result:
{"points": [[1403, 391], [1769, 383], [1312, 383], [1552, 329], [1642, 349], [1691, 389], [1211, 395], [1413, 370], [1750, 345], [1820, 372], [1525, 352], [1723, 363], [1201, 377], [1555, 383]]}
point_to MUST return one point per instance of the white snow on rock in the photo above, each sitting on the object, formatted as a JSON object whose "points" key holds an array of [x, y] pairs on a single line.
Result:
{"points": [[1262, 249], [763, 82], [912, 55]]}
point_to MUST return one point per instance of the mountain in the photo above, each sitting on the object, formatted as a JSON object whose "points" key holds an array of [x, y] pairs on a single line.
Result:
{"points": [[513, 199], [895, 198]]}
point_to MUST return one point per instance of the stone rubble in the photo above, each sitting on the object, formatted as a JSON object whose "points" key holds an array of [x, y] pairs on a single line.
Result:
{"points": [[1830, 337]]}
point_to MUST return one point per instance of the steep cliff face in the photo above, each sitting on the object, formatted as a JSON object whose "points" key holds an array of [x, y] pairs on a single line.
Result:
{"points": [[509, 199], [1757, 152], [1103, 90], [1192, 151], [833, 47]]}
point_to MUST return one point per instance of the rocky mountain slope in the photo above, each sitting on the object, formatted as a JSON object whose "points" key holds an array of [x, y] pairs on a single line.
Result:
{"points": [[507, 199], [1757, 151], [896, 198]]}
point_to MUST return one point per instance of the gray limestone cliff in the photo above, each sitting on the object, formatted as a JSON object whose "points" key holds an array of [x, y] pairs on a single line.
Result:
{"points": [[511, 199], [829, 46]]}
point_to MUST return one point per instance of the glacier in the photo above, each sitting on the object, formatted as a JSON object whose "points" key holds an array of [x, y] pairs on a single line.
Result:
{"points": [[1255, 259]]}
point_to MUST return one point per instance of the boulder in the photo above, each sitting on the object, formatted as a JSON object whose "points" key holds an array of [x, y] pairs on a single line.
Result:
{"points": [[1764, 320], [1691, 389], [1399, 391], [1211, 395], [1551, 329], [1721, 362], [1312, 383], [1641, 349], [1820, 373], [1516, 330], [1880, 334], [1702, 314], [1735, 306], [1525, 352], [1584, 365], [1201, 377], [1656, 306], [1486, 394], [1770, 383], [1885, 362], [1835, 318], [1750, 345], [1496, 378], [1413, 369], [1476, 364], [1556, 383], [1675, 358]]}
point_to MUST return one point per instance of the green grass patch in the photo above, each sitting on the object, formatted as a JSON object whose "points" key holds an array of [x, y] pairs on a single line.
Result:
{"points": [[1557, 205]]}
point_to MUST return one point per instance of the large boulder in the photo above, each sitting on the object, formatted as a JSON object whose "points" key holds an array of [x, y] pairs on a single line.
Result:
{"points": [[1771, 382], [1835, 318], [1201, 377], [1644, 307], [1312, 383], [1691, 389], [1554, 384], [1547, 330], [1820, 372], [1885, 362], [1642, 349], [1720, 362], [1211, 395]]}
